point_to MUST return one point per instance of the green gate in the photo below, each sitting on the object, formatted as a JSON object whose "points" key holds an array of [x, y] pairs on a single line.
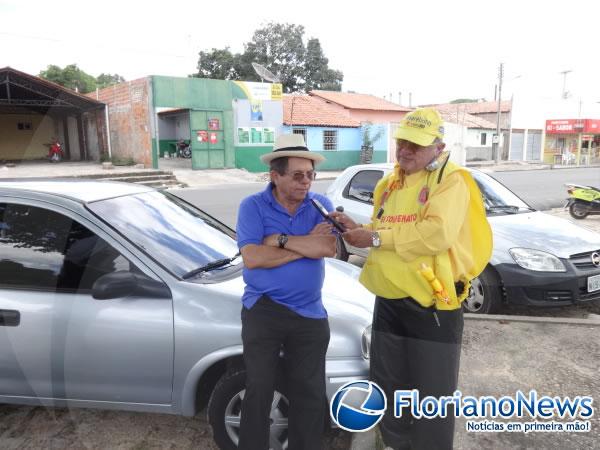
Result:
{"points": [[208, 139]]}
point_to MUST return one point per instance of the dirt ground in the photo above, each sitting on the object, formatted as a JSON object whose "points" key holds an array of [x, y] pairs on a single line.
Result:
{"points": [[24, 427]]}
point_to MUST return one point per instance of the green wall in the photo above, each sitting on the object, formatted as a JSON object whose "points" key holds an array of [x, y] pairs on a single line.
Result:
{"points": [[196, 93], [249, 158], [199, 94]]}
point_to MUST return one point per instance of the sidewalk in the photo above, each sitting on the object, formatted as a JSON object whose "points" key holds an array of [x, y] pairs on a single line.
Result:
{"points": [[194, 178]]}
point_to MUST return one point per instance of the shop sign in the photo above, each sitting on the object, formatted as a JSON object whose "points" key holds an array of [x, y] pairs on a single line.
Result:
{"points": [[592, 126], [565, 126], [261, 91], [202, 136], [573, 126]]}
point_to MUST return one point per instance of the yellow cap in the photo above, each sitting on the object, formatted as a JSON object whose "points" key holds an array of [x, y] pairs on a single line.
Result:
{"points": [[422, 126]]}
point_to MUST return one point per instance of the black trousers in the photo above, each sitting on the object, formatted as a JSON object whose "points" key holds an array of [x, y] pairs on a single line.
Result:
{"points": [[268, 328], [413, 347]]}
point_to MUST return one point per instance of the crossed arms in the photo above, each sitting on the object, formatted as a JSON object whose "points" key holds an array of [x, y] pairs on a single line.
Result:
{"points": [[319, 243]]}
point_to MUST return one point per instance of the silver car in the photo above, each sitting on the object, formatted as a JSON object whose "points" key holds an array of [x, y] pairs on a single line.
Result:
{"points": [[538, 259], [118, 296]]}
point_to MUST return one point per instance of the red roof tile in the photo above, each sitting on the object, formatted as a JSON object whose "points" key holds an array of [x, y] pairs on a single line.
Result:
{"points": [[306, 110], [457, 113], [359, 101]]}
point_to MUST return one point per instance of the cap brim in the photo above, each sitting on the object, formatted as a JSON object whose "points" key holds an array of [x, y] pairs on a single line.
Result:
{"points": [[268, 157], [415, 136]]}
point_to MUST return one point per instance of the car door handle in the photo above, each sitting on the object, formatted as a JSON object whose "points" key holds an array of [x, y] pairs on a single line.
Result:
{"points": [[9, 318]]}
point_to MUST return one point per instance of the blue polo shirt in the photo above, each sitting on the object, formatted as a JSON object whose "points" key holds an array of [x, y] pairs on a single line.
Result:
{"points": [[296, 284]]}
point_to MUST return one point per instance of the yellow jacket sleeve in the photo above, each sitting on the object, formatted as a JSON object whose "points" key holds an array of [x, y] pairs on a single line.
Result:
{"points": [[438, 227]]}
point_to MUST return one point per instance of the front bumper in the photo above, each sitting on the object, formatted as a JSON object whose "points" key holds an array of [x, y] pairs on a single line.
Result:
{"points": [[341, 371], [527, 287]]}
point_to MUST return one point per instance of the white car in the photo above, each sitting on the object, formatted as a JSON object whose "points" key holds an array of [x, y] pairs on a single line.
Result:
{"points": [[538, 259]]}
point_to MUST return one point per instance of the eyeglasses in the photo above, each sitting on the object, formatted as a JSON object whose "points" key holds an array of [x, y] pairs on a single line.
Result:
{"points": [[411, 147], [299, 176]]}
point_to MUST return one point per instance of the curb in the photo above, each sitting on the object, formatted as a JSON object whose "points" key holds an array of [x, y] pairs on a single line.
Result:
{"points": [[533, 319]]}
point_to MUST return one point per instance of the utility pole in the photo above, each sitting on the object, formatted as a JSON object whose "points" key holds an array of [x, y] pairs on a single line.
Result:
{"points": [[400, 98], [565, 94], [496, 144]]}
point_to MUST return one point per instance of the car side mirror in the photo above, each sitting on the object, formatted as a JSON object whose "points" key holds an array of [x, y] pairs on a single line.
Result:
{"points": [[123, 284]]}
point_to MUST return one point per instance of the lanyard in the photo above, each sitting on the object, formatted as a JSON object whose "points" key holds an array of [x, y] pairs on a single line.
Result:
{"points": [[393, 184]]}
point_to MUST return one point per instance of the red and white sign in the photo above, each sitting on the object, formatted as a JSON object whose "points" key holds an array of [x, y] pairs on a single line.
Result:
{"points": [[213, 138], [573, 126], [202, 136]]}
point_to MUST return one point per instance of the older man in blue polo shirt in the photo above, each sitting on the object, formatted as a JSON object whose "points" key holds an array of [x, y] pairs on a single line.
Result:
{"points": [[283, 240]]}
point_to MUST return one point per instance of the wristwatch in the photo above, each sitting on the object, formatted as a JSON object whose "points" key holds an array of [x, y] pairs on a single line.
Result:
{"points": [[282, 240], [375, 240]]}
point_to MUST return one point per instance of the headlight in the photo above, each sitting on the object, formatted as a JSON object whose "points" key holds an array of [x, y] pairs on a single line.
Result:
{"points": [[537, 260], [365, 342]]}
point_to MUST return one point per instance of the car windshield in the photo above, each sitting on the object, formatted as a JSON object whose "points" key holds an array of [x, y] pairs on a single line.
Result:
{"points": [[175, 234], [498, 199]]}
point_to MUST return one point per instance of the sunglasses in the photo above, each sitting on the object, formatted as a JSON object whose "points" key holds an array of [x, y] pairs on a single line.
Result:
{"points": [[299, 176], [411, 147]]}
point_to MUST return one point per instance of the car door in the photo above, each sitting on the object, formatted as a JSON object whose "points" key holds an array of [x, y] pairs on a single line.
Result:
{"points": [[56, 340]]}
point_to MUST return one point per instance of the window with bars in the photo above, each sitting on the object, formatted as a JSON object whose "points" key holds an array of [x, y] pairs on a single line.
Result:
{"points": [[330, 140], [301, 131]]}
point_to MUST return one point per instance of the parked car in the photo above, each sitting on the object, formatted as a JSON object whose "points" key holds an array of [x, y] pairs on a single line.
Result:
{"points": [[538, 259], [119, 296]]}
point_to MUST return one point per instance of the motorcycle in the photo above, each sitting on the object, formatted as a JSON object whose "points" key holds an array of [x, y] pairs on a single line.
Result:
{"points": [[55, 153], [583, 200], [183, 149]]}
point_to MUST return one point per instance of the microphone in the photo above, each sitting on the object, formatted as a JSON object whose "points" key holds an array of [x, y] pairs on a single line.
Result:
{"points": [[339, 208]]}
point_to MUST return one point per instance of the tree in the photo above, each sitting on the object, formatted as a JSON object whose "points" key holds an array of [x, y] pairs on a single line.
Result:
{"points": [[220, 64], [317, 73], [466, 100], [106, 79], [280, 48], [71, 77]]}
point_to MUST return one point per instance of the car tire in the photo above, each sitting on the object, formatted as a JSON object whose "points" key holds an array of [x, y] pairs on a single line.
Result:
{"points": [[485, 295], [340, 250], [577, 211], [224, 411]]}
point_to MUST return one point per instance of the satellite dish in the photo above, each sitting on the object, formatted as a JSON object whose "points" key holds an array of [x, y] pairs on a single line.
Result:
{"points": [[264, 73]]}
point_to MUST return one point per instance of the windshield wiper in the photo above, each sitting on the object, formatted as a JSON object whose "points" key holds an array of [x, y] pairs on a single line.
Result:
{"points": [[508, 208], [210, 266]]}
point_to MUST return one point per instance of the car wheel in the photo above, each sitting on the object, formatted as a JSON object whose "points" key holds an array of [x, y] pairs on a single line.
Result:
{"points": [[225, 406], [485, 295], [340, 249], [577, 211]]}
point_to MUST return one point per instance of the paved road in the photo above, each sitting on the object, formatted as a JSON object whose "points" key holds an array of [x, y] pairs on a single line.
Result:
{"points": [[545, 189], [542, 189]]}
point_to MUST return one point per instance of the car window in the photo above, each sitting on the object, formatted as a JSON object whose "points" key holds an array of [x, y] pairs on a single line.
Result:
{"points": [[495, 194], [362, 185], [174, 233], [44, 250]]}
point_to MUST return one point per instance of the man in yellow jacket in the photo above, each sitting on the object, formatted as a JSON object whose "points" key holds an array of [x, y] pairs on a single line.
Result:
{"points": [[429, 238]]}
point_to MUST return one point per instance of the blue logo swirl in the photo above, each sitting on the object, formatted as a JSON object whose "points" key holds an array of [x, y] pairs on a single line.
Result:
{"points": [[358, 406]]}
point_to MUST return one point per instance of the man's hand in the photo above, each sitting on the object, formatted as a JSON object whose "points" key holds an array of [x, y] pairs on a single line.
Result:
{"points": [[359, 237], [322, 228], [313, 246], [345, 220]]}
